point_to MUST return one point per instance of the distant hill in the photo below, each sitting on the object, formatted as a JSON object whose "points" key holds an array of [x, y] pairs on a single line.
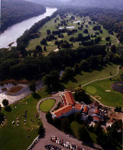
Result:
{"points": [[98, 3], [14, 11], [82, 3]]}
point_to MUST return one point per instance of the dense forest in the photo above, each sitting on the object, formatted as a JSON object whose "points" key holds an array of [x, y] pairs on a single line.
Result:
{"points": [[15, 11], [110, 4]]}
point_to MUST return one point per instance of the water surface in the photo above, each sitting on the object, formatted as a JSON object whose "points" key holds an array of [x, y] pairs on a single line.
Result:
{"points": [[12, 33]]}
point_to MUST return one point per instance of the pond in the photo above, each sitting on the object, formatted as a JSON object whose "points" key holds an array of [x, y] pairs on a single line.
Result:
{"points": [[118, 86]]}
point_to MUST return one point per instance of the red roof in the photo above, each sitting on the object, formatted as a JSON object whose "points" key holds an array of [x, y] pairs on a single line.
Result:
{"points": [[97, 111], [78, 106], [69, 98], [65, 102], [63, 110], [96, 118], [85, 110]]}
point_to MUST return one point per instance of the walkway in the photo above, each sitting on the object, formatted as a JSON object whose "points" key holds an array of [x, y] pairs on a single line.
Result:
{"points": [[50, 130], [102, 78]]}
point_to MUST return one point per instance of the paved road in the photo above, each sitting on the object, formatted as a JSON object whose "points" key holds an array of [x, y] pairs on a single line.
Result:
{"points": [[52, 131]]}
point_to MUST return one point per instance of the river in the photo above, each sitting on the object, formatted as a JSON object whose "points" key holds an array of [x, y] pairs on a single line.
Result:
{"points": [[12, 33]]}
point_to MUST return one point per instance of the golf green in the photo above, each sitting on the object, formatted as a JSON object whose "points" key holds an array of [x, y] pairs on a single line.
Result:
{"points": [[91, 89]]}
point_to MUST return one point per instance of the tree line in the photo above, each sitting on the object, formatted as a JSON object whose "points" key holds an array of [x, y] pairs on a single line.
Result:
{"points": [[19, 64]]}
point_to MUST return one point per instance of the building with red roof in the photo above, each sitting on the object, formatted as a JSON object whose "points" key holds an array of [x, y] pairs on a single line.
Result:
{"points": [[85, 109], [96, 119], [69, 107], [97, 111]]}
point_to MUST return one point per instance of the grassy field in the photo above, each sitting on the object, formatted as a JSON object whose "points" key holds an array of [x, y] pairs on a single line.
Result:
{"points": [[86, 77], [104, 93], [13, 137], [52, 26], [46, 105]]}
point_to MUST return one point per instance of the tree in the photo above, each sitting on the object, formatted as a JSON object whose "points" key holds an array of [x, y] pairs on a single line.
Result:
{"points": [[80, 96], [118, 109], [5, 102], [1, 117], [52, 80], [97, 128], [83, 133], [107, 38], [48, 32], [32, 87], [44, 41], [38, 48], [113, 48], [41, 131], [65, 125], [86, 31], [68, 74], [77, 116], [49, 117], [45, 49]]}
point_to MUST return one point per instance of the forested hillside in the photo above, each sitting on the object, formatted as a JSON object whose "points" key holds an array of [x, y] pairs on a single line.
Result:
{"points": [[14, 11], [98, 3]]}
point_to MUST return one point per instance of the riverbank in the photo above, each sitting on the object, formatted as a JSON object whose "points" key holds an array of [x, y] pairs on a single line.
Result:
{"points": [[12, 33]]}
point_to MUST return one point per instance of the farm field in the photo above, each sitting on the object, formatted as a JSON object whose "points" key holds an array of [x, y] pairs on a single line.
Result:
{"points": [[46, 105], [53, 25], [20, 137]]}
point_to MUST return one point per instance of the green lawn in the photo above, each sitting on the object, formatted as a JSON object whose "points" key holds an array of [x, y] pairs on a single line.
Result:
{"points": [[46, 105], [110, 98], [15, 138], [86, 77]]}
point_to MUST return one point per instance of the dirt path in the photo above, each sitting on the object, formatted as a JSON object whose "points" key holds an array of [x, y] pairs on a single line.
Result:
{"points": [[116, 39], [102, 78], [50, 130]]}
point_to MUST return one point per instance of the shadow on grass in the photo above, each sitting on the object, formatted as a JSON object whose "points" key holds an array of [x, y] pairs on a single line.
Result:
{"points": [[8, 109], [36, 95]]}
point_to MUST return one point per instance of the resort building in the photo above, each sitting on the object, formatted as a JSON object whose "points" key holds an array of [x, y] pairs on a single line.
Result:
{"points": [[69, 106]]}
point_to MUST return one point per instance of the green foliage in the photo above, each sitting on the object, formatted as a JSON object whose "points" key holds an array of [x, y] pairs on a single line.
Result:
{"points": [[80, 96], [41, 131], [1, 117], [77, 116], [5, 102], [118, 109], [83, 133], [68, 74], [52, 80], [49, 117], [65, 125], [32, 87]]}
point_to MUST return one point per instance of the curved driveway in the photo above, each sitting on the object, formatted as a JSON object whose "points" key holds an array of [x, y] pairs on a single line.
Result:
{"points": [[50, 130]]}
